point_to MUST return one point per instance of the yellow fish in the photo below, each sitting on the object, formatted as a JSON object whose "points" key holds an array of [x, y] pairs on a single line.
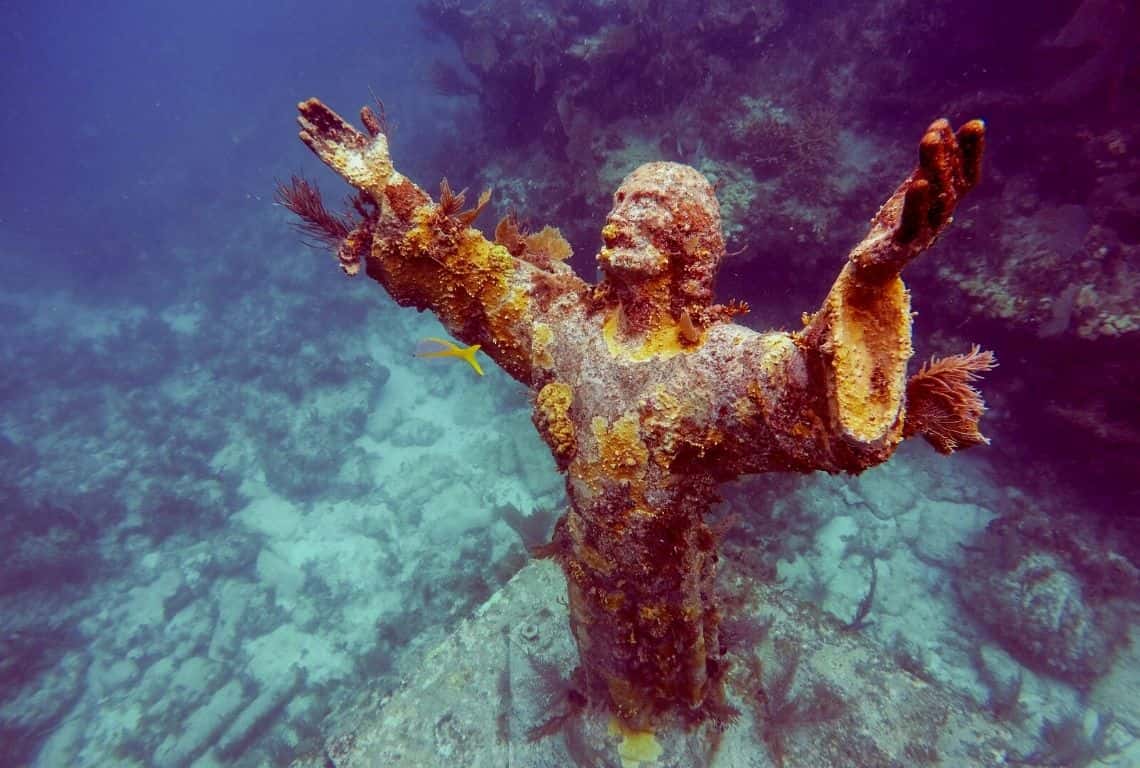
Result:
{"points": [[449, 349]]}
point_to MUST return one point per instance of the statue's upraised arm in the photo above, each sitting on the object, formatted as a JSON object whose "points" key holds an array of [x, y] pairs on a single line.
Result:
{"points": [[835, 396], [858, 343], [425, 253]]}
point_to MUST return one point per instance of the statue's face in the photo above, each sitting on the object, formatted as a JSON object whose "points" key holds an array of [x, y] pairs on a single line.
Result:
{"points": [[631, 234], [665, 219]]}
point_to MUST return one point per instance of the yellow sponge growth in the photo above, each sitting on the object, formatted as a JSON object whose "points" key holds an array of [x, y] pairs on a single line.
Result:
{"points": [[637, 748]]}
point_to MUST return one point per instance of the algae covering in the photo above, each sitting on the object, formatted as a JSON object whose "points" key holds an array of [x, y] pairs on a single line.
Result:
{"points": [[648, 393]]}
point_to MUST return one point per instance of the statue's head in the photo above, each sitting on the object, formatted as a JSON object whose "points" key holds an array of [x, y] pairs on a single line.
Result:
{"points": [[662, 243]]}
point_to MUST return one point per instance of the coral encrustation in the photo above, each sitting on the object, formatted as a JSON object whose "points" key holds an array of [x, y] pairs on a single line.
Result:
{"points": [[647, 392]]}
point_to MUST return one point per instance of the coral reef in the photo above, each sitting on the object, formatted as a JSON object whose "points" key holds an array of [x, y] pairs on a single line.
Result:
{"points": [[605, 88], [1064, 268], [1052, 590], [646, 391], [1037, 610]]}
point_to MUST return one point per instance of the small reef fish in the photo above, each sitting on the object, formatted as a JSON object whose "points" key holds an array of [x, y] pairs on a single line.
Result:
{"points": [[449, 349]]}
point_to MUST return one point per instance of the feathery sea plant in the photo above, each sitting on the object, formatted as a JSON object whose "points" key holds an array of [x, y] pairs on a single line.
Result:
{"points": [[942, 403], [316, 222]]}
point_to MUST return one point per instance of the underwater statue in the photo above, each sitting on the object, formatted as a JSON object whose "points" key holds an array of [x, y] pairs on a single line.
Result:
{"points": [[647, 392]]}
